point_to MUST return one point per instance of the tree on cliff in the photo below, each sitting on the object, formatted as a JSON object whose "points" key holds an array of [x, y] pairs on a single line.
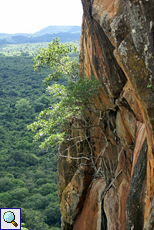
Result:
{"points": [[70, 98], [69, 112]]}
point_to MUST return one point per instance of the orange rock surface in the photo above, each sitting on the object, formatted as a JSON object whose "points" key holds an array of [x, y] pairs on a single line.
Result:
{"points": [[111, 185]]}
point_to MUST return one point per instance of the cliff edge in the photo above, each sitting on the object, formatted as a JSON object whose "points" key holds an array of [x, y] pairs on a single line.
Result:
{"points": [[106, 174]]}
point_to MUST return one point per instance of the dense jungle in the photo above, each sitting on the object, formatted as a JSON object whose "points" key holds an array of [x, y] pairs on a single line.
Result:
{"points": [[28, 174]]}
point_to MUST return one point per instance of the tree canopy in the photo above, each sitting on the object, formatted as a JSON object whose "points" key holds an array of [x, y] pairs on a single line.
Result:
{"points": [[27, 172], [70, 97]]}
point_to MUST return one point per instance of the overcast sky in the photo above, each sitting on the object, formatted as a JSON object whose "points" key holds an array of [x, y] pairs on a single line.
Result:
{"points": [[29, 16]]}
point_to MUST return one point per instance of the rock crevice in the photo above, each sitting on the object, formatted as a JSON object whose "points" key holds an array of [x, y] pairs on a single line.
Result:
{"points": [[112, 185]]}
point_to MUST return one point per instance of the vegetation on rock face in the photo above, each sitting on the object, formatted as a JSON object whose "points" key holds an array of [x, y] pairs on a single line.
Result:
{"points": [[70, 99], [28, 173]]}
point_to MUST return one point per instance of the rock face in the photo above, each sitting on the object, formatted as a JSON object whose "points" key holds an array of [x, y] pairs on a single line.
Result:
{"points": [[106, 174]]}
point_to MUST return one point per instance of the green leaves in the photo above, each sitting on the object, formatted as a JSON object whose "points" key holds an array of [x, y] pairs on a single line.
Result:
{"points": [[70, 100], [23, 164], [149, 86], [56, 57]]}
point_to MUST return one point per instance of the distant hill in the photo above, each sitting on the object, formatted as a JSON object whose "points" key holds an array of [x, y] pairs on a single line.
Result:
{"points": [[65, 33], [58, 29]]}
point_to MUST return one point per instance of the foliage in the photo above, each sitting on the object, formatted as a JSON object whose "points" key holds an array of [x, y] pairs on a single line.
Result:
{"points": [[149, 86], [70, 100], [26, 49], [33, 38], [27, 173], [56, 57]]}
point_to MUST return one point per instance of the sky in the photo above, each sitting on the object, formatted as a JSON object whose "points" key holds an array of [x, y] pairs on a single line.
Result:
{"points": [[29, 16]]}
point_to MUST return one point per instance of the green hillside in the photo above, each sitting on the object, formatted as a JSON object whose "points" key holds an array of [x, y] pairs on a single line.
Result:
{"points": [[65, 33], [27, 173]]}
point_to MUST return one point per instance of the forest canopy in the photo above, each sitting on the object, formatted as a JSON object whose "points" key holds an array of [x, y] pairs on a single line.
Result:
{"points": [[28, 173], [28, 177]]}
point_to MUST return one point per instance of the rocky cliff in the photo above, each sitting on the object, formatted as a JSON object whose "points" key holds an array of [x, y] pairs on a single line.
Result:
{"points": [[106, 174]]}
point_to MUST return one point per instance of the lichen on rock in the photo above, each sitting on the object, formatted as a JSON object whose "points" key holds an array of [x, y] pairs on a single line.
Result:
{"points": [[112, 185]]}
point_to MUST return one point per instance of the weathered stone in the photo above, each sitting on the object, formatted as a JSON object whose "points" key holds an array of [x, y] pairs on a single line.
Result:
{"points": [[150, 221], [117, 47], [111, 209], [134, 210], [130, 97], [90, 217], [122, 130], [74, 194]]}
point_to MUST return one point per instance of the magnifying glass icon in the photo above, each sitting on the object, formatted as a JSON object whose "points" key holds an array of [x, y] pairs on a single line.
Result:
{"points": [[9, 217]]}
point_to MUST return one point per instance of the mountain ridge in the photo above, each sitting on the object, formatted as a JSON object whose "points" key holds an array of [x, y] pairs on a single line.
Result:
{"points": [[65, 33]]}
